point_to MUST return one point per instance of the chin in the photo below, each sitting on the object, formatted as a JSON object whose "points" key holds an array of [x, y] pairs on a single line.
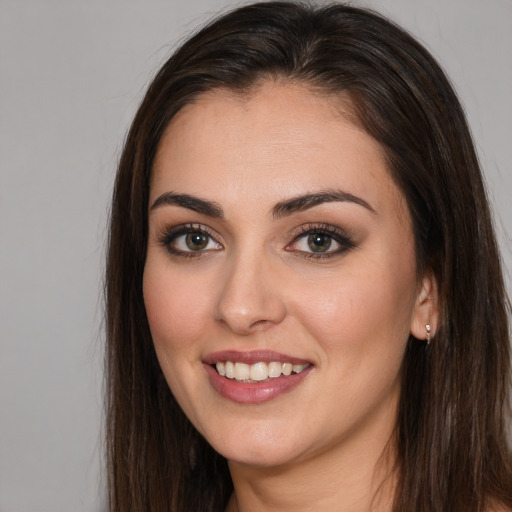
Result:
{"points": [[264, 448], [259, 459]]}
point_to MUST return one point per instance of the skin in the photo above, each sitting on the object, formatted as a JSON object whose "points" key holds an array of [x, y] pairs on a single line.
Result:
{"points": [[327, 443]]}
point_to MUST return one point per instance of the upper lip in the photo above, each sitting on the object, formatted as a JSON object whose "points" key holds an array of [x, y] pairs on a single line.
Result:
{"points": [[252, 357]]}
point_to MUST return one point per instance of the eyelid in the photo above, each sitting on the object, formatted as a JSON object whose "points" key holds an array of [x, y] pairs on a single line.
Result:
{"points": [[339, 235], [170, 233]]}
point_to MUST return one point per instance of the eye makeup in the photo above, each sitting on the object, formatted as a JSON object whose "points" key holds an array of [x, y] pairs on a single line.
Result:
{"points": [[320, 241], [311, 240], [189, 240]]}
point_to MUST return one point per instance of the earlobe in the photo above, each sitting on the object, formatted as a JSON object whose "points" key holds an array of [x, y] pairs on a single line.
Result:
{"points": [[426, 310]]}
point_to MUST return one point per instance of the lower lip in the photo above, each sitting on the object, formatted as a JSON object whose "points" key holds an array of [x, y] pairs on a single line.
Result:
{"points": [[257, 392]]}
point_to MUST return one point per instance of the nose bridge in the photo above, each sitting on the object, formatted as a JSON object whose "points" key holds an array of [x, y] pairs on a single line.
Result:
{"points": [[249, 298]]}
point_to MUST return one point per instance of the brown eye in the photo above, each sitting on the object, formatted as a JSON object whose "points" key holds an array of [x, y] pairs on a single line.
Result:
{"points": [[190, 240], [196, 241], [319, 242]]}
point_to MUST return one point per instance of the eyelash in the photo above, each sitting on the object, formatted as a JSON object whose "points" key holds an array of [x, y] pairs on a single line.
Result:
{"points": [[169, 236], [333, 232]]}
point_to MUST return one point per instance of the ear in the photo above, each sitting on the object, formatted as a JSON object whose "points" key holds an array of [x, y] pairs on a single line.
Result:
{"points": [[426, 309]]}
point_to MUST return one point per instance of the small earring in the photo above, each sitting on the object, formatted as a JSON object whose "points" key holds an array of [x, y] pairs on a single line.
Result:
{"points": [[428, 328]]}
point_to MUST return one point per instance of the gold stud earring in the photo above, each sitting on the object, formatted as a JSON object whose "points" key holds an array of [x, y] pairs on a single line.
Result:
{"points": [[428, 328]]}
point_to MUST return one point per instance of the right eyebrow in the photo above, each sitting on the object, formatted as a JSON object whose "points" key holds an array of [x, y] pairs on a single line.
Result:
{"points": [[192, 203]]}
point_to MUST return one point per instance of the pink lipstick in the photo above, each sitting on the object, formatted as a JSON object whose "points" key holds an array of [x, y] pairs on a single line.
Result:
{"points": [[256, 376]]}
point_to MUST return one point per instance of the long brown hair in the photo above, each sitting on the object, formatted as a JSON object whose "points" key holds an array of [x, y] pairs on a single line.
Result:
{"points": [[452, 451]]}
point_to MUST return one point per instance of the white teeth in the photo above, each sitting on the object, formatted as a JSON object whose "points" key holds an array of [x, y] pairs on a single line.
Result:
{"points": [[230, 370], [259, 371], [242, 371], [287, 368], [274, 369], [221, 368]]}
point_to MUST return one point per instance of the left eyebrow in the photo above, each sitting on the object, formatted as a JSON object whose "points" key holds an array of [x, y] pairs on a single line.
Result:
{"points": [[304, 202]]}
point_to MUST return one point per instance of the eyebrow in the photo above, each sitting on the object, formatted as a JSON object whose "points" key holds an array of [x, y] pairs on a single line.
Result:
{"points": [[304, 202], [192, 203], [281, 209]]}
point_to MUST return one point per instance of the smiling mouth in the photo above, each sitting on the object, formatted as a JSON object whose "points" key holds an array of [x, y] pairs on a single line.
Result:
{"points": [[257, 372]]}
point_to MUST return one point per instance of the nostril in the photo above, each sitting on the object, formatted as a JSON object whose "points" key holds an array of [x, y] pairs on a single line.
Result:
{"points": [[249, 300], [261, 324]]}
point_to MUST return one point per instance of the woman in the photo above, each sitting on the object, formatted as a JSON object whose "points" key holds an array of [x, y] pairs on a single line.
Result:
{"points": [[305, 303]]}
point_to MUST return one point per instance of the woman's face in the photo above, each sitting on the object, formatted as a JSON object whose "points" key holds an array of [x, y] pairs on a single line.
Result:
{"points": [[279, 243]]}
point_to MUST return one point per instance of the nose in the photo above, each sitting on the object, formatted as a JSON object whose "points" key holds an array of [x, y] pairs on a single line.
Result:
{"points": [[250, 298]]}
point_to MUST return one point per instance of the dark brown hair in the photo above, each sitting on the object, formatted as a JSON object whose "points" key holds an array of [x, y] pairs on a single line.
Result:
{"points": [[452, 452]]}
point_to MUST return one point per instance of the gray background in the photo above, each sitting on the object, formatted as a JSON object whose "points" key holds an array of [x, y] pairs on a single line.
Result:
{"points": [[71, 76]]}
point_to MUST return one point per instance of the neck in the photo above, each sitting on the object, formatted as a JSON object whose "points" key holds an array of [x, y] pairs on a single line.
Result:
{"points": [[359, 480]]}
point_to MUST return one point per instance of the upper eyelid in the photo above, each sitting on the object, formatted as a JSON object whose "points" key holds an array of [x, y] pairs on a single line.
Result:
{"points": [[169, 233], [168, 236], [180, 229], [337, 234], [325, 228]]}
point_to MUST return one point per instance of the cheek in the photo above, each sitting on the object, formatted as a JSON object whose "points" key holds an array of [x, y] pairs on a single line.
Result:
{"points": [[175, 308], [176, 311], [360, 310]]}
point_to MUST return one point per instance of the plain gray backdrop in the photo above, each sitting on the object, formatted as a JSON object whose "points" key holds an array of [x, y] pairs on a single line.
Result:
{"points": [[71, 76]]}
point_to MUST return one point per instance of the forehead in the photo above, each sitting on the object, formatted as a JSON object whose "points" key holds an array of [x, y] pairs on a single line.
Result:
{"points": [[279, 139]]}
